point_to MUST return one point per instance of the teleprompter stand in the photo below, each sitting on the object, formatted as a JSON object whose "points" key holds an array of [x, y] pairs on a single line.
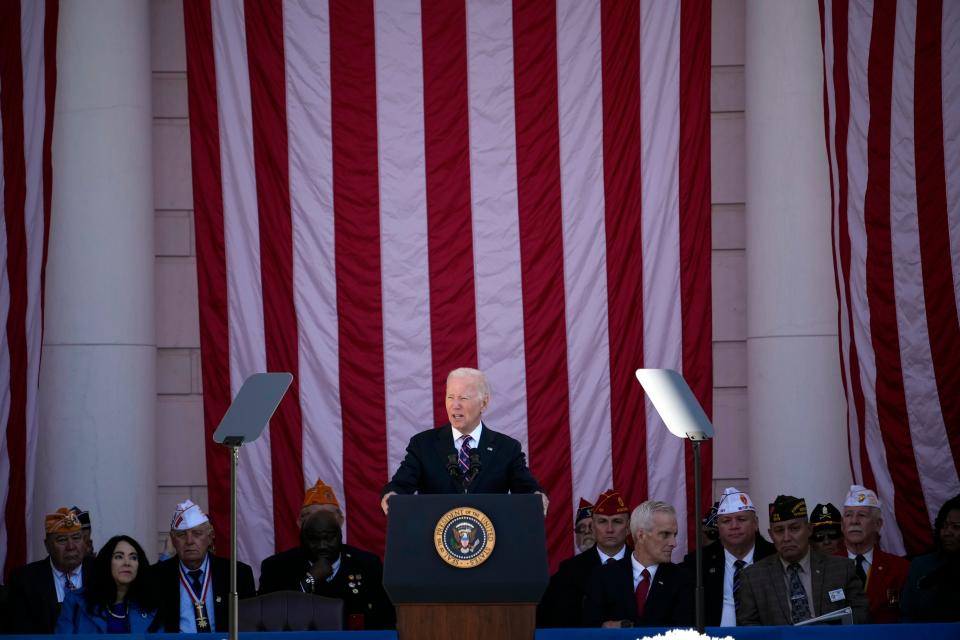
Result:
{"points": [[243, 423]]}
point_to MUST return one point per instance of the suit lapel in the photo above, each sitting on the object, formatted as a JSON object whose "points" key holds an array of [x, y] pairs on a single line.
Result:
{"points": [[775, 574], [659, 590], [487, 448], [220, 581], [443, 443], [816, 583], [50, 592]]}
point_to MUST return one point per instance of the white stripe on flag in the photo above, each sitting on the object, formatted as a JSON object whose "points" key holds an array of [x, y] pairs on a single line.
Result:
{"points": [[496, 232], [660, 236], [580, 103], [32, 23], [403, 225], [950, 47], [859, 27], [307, 59], [853, 431], [928, 434], [242, 244]]}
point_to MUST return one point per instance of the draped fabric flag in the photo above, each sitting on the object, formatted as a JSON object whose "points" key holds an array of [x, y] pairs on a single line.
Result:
{"points": [[28, 44], [388, 190], [892, 115]]}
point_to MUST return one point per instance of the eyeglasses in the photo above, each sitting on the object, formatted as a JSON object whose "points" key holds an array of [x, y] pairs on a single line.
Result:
{"points": [[583, 530], [823, 537]]}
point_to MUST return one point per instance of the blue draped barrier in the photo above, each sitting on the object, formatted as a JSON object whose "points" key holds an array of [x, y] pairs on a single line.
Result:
{"points": [[850, 632]]}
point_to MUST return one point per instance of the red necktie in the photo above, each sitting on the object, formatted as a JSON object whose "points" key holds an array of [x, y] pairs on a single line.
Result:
{"points": [[642, 589]]}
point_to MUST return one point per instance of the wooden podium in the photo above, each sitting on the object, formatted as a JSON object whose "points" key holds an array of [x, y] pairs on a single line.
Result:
{"points": [[465, 566]]}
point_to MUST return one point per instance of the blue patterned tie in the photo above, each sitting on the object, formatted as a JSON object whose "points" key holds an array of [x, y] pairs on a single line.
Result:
{"points": [[463, 457], [738, 569], [799, 606]]}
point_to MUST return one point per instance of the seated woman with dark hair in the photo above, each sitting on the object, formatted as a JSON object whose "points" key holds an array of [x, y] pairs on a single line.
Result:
{"points": [[117, 598], [932, 590]]}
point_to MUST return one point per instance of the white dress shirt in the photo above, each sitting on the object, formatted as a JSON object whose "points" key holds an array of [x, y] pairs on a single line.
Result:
{"points": [[728, 618], [60, 580], [475, 434], [188, 615], [617, 556], [867, 561], [638, 570]]}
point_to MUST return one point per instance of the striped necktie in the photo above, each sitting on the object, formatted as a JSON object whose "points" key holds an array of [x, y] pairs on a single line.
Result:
{"points": [[463, 457], [738, 569]]}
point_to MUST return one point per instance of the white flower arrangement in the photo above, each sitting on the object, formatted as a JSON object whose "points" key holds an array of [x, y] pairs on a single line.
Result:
{"points": [[683, 634]]}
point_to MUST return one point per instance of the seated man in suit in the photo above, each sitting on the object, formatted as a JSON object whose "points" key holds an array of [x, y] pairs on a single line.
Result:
{"points": [[739, 545], [797, 583], [323, 565], [827, 536], [193, 587], [464, 452], [644, 589], [320, 497], [562, 604], [884, 574], [37, 590]]}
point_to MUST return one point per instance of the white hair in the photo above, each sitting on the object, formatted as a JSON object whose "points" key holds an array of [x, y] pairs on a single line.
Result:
{"points": [[483, 385], [642, 516]]}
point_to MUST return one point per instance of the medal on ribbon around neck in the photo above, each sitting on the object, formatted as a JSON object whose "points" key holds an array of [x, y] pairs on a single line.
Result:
{"points": [[199, 602]]}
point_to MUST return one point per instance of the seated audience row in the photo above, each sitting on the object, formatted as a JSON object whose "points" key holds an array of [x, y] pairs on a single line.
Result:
{"points": [[818, 563]]}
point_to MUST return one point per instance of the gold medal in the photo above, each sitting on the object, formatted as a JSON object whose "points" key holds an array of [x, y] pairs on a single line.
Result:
{"points": [[202, 622]]}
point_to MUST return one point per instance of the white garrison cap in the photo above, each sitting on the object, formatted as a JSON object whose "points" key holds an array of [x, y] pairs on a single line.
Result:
{"points": [[187, 516], [734, 501], [860, 496]]}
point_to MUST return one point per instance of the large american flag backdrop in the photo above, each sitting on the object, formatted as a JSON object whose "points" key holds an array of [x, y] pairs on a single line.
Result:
{"points": [[892, 114], [387, 190], [28, 44]]}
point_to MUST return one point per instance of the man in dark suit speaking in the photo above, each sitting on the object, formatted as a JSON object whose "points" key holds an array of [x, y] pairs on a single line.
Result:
{"points": [[464, 455]]}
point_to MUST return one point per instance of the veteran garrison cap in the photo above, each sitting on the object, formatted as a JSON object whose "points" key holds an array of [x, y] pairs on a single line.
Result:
{"points": [[787, 508], [584, 511], [610, 503], [825, 516]]}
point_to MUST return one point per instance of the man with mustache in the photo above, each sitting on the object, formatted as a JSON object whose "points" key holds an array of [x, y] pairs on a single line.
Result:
{"points": [[883, 574], [797, 583], [324, 566]]}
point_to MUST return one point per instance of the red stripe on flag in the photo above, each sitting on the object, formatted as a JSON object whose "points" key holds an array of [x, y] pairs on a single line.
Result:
{"points": [[211, 252], [891, 403], [695, 235], [943, 325], [50, 90], [14, 198], [264, 30], [541, 259], [453, 312], [620, 45], [357, 232], [842, 97]]}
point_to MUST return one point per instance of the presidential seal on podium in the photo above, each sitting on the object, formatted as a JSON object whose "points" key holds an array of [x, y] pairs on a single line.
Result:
{"points": [[464, 537]]}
